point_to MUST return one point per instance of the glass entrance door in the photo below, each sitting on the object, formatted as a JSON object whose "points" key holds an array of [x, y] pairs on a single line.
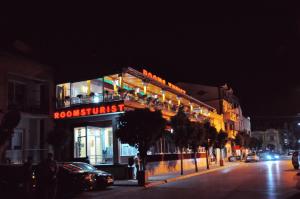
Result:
{"points": [[95, 143]]}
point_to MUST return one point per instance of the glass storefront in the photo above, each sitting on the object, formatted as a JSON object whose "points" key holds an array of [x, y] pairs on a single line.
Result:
{"points": [[84, 92], [96, 143]]}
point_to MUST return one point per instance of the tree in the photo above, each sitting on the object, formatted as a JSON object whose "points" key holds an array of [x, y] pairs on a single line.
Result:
{"points": [[196, 136], [243, 140], [255, 143], [141, 129], [180, 124], [58, 138], [9, 121], [240, 139], [221, 141], [209, 139]]}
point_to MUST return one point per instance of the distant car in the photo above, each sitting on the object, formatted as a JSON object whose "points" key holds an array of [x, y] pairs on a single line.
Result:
{"points": [[85, 176], [252, 157], [296, 160], [270, 156], [290, 153]]}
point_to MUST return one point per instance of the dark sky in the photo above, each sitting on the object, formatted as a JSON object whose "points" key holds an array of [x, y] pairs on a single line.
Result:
{"points": [[253, 47]]}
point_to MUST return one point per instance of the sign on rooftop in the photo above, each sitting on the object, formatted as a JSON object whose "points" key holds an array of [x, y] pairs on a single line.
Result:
{"points": [[162, 81]]}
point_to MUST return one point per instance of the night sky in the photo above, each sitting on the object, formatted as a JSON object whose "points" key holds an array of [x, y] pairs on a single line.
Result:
{"points": [[254, 48]]}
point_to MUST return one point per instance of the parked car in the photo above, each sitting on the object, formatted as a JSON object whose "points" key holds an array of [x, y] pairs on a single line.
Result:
{"points": [[296, 160], [84, 176], [252, 157], [234, 158]]}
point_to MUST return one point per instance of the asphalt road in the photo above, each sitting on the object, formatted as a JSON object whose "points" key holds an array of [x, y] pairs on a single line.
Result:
{"points": [[263, 180]]}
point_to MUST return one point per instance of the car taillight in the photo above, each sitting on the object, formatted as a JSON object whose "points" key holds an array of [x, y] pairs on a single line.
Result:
{"points": [[88, 177]]}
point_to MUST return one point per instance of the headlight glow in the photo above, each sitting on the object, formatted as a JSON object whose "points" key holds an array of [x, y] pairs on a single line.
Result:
{"points": [[269, 157]]}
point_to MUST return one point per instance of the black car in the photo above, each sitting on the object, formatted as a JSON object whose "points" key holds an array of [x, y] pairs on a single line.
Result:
{"points": [[296, 160], [83, 176]]}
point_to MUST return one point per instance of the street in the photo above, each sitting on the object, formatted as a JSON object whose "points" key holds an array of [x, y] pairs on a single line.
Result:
{"points": [[265, 180]]}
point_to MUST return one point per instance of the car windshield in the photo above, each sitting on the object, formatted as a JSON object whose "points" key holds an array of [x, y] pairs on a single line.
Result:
{"points": [[77, 167], [84, 166]]}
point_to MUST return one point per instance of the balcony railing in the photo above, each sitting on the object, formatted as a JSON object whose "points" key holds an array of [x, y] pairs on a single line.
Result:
{"points": [[131, 99], [86, 99]]}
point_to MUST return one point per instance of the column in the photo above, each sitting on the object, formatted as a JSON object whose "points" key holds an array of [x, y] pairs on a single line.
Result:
{"points": [[116, 143]]}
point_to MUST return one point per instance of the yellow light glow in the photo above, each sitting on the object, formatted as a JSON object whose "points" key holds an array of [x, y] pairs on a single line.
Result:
{"points": [[88, 87], [120, 81], [84, 89]]}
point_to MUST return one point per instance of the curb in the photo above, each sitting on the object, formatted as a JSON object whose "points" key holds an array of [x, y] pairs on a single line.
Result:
{"points": [[186, 176]]}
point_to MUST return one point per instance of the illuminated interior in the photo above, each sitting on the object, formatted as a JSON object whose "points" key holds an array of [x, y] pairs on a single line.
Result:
{"points": [[137, 91], [95, 143]]}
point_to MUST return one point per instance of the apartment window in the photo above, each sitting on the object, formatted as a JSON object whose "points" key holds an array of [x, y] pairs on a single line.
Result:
{"points": [[16, 94], [271, 137], [16, 142]]}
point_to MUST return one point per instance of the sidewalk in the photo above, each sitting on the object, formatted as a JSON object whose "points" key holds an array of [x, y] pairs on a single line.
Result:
{"points": [[174, 176]]}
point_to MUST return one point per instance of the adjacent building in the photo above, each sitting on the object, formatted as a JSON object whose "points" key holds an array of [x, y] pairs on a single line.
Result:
{"points": [[270, 139], [27, 86], [226, 104]]}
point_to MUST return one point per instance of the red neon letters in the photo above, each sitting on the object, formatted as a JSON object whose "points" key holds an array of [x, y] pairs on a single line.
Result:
{"points": [[86, 111]]}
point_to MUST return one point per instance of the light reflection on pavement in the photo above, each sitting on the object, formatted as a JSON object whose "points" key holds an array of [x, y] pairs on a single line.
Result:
{"points": [[262, 180]]}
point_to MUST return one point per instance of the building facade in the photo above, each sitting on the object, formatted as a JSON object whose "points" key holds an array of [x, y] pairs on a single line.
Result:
{"points": [[90, 109], [226, 104], [270, 139], [27, 86]]}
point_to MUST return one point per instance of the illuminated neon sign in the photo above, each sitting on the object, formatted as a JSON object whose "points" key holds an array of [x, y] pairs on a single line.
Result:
{"points": [[162, 81], [89, 111]]}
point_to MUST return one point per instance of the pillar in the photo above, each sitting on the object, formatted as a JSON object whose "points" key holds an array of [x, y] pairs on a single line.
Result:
{"points": [[116, 143]]}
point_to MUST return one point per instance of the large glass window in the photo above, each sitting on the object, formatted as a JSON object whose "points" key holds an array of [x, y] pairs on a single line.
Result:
{"points": [[84, 92], [80, 142], [63, 92], [127, 150], [96, 144], [79, 92], [16, 142], [96, 90]]}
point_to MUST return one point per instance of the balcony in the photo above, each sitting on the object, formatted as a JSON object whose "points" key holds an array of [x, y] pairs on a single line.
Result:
{"points": [[131, 100], [86, 99]]}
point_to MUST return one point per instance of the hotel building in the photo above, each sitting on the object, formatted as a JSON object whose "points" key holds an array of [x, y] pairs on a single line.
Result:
{"points": [[90, 109]]}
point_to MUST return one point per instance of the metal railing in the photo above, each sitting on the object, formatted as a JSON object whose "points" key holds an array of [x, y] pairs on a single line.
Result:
{"points": [[20, 156]]}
